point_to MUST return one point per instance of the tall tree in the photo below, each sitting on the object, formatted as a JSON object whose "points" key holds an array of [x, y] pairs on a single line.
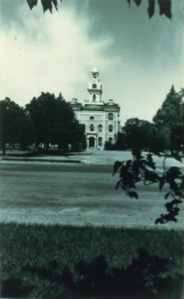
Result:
{"points": [[53, 121], [170, 117], [13, 122]]}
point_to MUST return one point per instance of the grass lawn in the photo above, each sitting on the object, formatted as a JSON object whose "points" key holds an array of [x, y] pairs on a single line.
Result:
{"points": [[74, 236], [55, 261]]}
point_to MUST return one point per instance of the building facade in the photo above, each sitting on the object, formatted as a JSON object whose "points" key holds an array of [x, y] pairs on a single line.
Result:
{"points": [[101, 119]]}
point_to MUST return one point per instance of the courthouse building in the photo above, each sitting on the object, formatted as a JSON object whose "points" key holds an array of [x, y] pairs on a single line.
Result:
{"points": [[101, 119]]}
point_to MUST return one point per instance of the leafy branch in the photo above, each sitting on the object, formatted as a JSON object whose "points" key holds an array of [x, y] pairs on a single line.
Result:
{"points": [[164, 6], [143, 169]]}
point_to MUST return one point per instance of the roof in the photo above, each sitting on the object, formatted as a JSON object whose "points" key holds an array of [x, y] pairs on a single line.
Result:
{"points": [[94, 70]]}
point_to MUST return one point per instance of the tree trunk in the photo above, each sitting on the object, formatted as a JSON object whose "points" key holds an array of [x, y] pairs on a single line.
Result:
{"points": [[4, 148], [47, 146]]}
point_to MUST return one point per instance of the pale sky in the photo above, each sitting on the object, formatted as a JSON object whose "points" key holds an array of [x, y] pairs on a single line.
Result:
{"points": [[138, 59]]}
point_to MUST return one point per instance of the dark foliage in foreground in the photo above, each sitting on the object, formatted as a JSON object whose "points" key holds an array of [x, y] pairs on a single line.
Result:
{"points": [[55, 261], [164, 6], [143, 169]]}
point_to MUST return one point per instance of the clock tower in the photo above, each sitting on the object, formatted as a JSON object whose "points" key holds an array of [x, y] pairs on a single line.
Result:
{"points": [[95, 87]]}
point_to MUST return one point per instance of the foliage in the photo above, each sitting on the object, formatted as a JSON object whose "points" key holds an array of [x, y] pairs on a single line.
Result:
{"points": [[121, 141], [108, 146], [54, 121], [164, 6], [165, 133], [41, 261], [14, 124], [143, 169], [138, 133], [170, 117]]}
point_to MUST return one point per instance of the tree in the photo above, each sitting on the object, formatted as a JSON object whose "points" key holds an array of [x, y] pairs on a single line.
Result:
{"points": [[121, 143], [137, 133], [170, 117], [164, 6], [54, 121], [13, 122]]}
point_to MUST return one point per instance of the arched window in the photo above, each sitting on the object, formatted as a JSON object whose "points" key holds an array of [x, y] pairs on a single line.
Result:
{"points": [[100, 128], [99, 140], [91, 117], [110, 139], [91, 127], [110, 116], [110, 128], [94, 97]]}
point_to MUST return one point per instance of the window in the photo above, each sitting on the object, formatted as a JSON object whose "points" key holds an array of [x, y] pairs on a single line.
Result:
{"points": [[110, 128], [91, 117], [91, 127], [110, 139], [94, 97], [99, 140], [110, 116], [100, 128]]}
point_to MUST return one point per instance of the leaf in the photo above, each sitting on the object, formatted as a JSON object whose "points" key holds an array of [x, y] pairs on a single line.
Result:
{"points": [[151, 176], [150, 164], [117, 185], [123, 172], [128, 179], [165, 8], [176, 201], [173, 185], [169, 206], [32, 3], [128, 2], [55, 4], [128, 163], [170, 216], [162, 182], [174, 172], [138, 2], [176, 156], [133, 194], [47, 5], [159, 220], [151, 8], [117, 164], [167, 195]]}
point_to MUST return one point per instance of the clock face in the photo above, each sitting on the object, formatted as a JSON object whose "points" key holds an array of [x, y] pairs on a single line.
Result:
{"points": [[94, 85]]}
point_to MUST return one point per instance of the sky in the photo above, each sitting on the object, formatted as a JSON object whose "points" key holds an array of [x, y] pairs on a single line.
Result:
{"points": [[138, 59]]}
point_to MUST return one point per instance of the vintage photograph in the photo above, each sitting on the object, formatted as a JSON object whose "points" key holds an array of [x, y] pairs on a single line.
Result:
{"points": [[91, 149]]}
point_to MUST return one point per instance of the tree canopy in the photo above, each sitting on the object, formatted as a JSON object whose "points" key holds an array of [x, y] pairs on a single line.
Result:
{"points": [[170, 118], [13, 123], [53, 121], [164, 6]]}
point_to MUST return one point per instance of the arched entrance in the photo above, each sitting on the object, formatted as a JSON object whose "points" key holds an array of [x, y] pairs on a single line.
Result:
{"points": [[91, 142]]}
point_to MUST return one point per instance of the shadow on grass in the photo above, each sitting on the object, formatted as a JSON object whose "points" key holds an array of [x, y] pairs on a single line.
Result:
{"points": [[142, 279]]}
